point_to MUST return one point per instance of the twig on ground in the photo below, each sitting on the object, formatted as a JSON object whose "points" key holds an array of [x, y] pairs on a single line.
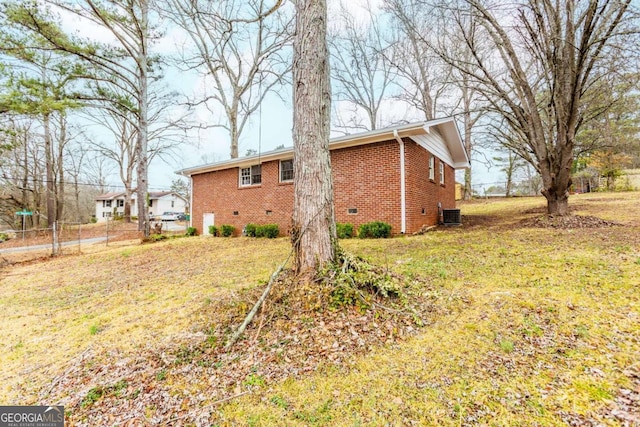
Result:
{"points": [[262, 315], [226, 399], [217, 402], [236, 335]]}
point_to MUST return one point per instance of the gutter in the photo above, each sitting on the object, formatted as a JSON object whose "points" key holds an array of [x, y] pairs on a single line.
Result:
{"points": [[403, 189]]}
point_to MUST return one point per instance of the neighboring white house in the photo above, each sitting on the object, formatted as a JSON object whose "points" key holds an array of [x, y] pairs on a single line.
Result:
{"points": [[110, 204]]}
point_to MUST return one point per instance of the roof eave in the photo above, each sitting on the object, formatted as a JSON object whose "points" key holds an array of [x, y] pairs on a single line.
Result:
{"points": [[446, 126], [453, 139]]}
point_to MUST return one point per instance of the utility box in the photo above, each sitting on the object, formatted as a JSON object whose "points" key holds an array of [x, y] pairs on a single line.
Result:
{"points": [[451, 217]]}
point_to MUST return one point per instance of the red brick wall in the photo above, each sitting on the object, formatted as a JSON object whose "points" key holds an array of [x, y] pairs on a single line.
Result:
{"points": [[366, 178], [219, 192], [424, 194]]}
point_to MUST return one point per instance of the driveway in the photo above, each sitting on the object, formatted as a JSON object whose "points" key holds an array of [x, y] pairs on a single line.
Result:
{"points": [[48, 246]]}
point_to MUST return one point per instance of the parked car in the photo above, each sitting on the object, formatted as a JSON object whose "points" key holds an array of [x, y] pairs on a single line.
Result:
{"points": [[182, 217], [170, 216]]}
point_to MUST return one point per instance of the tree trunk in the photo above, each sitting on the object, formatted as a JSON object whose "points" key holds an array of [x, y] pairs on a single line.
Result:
{"points": [[468, 125], [60, 178], [51, 209], [233, 128], [557, 204], [141, 145], [127, 205], [468, 189], [314, 232]]}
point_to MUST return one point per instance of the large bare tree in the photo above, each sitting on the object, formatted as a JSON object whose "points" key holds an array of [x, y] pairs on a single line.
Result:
{"points": [[547, 57], [314, 230], [361, 71], [425, 80], [240, 49]]}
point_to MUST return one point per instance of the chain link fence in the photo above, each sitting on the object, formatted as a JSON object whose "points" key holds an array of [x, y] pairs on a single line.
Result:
{"points": [[66, 237]]}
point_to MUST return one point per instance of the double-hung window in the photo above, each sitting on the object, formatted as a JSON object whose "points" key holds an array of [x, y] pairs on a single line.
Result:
{"points": [[251, 175], [432, 168], [286, 170], [441, 173]]}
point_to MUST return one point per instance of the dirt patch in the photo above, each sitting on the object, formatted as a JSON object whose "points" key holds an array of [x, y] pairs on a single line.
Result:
{"points": [[480, 220], [567, 222], [538, 211]]}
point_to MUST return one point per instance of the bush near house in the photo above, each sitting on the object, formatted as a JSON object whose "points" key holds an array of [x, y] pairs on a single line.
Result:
{"points": [[344, 230], [374, 230], [227, 230], [213, 230], [250, 230], [270, 231]]}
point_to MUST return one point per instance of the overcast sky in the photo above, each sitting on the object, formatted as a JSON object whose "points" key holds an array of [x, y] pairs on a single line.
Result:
{"points": [[269, 127]]}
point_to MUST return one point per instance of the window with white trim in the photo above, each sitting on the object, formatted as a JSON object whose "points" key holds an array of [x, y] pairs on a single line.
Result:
{"points": [[442, 173], [432, 168], [251, 175], [120, 203], [286, 170]]}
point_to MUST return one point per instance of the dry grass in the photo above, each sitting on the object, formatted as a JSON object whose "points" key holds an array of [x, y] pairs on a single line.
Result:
{"points": [[548, 334], [116, 299], [549, 338]]}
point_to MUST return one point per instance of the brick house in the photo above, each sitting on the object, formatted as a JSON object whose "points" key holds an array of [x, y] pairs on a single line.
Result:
{"points": [[399, 175]]}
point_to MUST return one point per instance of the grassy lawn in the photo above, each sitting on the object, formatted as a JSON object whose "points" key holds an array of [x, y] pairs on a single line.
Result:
{"points": [[538, 326]]}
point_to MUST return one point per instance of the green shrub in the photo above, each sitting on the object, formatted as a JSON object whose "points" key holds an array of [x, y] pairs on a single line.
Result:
{"points": [[374, 230], [3, 237], [270, 231], [227, 230], [191, 231], [93, 220], [344, 231], [250, 230], [157, 237], [213, 230]]}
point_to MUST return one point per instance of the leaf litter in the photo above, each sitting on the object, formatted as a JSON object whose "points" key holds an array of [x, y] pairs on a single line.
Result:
{"points": [[299, 330]]}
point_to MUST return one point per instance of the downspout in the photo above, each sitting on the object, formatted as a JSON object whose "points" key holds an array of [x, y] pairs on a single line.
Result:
{"points": [[403, 189], [191, 202]]}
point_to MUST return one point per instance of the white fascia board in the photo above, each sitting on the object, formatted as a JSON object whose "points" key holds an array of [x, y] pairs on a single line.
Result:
{"points": [[445, 143], [387, 134], [455, 145]]}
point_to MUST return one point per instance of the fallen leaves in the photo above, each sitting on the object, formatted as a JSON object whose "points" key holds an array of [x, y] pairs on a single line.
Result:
{"points": [[626, 408], [296, 334], [568, 222]]}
